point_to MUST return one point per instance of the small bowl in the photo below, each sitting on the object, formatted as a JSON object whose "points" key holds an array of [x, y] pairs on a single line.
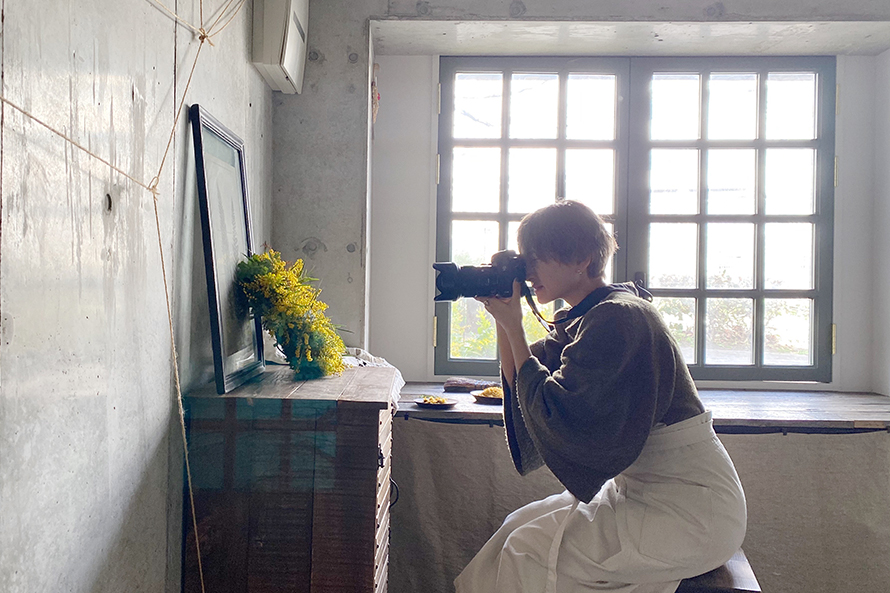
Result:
{"points": [[484, 399]]}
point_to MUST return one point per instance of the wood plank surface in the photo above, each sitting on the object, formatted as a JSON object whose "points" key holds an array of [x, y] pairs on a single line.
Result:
{"points": [[369, 385], [733, 410]]}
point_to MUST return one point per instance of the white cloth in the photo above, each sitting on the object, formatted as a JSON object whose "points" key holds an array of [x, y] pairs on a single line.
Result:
{"points": [[356, 357], [676, 512]]}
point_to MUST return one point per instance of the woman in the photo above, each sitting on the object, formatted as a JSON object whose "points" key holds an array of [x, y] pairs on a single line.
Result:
{"points": [[607, 403]]}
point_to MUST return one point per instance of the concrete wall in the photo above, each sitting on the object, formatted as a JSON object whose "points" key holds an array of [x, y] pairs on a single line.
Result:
{"points": [[87, 408], [618, 10], [320, 167]]}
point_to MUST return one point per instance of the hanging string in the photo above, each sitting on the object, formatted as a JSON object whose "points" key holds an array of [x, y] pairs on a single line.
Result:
{"points": [[176, 17], [157, 178], [152, 187], [222, 13]]}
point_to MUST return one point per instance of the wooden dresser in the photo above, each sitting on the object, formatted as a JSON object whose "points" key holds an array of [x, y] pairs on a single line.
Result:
{"points": [[292, 484]]}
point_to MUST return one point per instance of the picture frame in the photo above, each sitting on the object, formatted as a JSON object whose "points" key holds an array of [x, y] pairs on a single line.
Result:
{"points": [[236, 334]]}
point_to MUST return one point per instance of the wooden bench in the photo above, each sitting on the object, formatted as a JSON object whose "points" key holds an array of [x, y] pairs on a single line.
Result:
{"points": [[736, 576]]}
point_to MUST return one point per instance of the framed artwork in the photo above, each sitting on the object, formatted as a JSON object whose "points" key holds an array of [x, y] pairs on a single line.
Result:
{"points": [[236, 334]]}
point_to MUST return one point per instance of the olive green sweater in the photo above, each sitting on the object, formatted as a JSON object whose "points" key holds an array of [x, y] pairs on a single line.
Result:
{"points": [[584, 403]]}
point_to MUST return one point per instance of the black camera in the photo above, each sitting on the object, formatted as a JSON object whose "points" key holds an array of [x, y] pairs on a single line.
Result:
{"points": [[488, 280]]}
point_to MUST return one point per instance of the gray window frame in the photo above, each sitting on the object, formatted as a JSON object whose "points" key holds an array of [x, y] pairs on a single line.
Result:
{"points": [[631, 217]]}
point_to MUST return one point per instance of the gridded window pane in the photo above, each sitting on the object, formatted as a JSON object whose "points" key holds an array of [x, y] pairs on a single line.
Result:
{"points": [[590, 106], [730, 255], [473, 331], [788, 337], [679, 315], [673, 181], [477, 104], [476, 179], [675, 106], [791, 106], [473, 242], [788, 255], [533, 105], [590, 178], [732, 106], [673, 255], [531, 179], [512, 240], [790, 180], [729, 331], [731, 181]]}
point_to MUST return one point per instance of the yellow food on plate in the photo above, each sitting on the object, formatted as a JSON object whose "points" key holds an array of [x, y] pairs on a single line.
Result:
{"points": [[433, 399], [493, 392]]}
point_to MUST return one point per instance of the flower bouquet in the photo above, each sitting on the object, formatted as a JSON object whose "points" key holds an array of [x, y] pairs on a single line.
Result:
{"points": [[292, 314]]}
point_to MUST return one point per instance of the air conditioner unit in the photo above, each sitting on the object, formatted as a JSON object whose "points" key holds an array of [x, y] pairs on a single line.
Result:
{"points": [[279, 42]]}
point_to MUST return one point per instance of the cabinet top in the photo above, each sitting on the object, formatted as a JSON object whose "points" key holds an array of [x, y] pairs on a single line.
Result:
{"points": [[377, 385]]}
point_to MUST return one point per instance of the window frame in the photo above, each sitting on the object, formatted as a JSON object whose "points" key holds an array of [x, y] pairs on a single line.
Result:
{"points": [[822, 216], [630, 210], [448, 66]]}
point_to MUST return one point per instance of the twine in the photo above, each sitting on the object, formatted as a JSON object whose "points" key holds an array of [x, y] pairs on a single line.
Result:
{"points": [[72, 142], [232, 8]]}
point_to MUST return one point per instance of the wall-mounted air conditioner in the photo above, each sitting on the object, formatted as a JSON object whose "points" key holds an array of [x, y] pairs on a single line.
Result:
{"points": [[279, 42]]}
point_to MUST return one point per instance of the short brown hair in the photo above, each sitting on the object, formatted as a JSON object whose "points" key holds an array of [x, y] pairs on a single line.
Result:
{"points": [[567, 232]]}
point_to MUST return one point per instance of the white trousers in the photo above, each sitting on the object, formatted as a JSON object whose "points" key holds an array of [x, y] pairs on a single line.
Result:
{"points": [[678, 511]]}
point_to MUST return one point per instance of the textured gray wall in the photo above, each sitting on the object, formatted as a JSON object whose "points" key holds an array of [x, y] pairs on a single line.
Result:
{"points": [[87, 408]]}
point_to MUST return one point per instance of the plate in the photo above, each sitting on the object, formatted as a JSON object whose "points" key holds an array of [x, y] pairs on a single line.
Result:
{"points": [[448, 403], [482, 399]]}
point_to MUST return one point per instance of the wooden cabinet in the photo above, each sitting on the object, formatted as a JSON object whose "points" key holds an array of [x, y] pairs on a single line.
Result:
{"points": [[292, 484]]}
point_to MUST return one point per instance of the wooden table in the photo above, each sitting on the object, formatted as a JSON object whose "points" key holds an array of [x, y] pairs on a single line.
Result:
{"points": [[734, 411]]}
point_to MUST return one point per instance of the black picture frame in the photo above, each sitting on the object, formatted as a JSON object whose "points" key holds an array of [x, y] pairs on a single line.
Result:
{"points": [[236, 334]]}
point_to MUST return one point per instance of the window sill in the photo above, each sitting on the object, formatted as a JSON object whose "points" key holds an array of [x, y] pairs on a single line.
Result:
{"points": [[734, 411]]}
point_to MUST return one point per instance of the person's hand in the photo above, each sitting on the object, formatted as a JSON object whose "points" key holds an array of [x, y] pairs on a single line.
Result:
{"points": [[507, 312]]}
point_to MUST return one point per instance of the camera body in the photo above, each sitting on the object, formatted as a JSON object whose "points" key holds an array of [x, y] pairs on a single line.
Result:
{"points": [[487, 280]]}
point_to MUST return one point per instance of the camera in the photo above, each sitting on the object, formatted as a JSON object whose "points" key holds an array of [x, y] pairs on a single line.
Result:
{"points": [[487, 280]]}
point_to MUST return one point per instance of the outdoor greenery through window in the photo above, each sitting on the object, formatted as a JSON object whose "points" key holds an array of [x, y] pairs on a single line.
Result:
{"points": [[715, 174]]}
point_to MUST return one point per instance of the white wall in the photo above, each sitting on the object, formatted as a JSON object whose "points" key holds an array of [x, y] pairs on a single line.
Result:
{"points": [[853, 225], [403, 231], [880, 317], [403, 194], [88, 427]]}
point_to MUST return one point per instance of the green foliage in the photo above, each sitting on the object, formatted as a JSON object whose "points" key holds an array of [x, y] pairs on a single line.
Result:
{"points": [[474, 333], [729, 320], [291, 312]]}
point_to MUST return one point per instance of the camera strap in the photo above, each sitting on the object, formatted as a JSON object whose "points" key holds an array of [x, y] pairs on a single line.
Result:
{"points": [[588, 303]]}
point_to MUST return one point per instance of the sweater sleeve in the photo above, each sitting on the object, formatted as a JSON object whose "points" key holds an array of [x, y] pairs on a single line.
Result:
{"points": [[522, 449], [548, 352], [589, 418]]}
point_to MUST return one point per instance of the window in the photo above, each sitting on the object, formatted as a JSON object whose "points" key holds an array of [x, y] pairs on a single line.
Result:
{"points": [[716, 175]]}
